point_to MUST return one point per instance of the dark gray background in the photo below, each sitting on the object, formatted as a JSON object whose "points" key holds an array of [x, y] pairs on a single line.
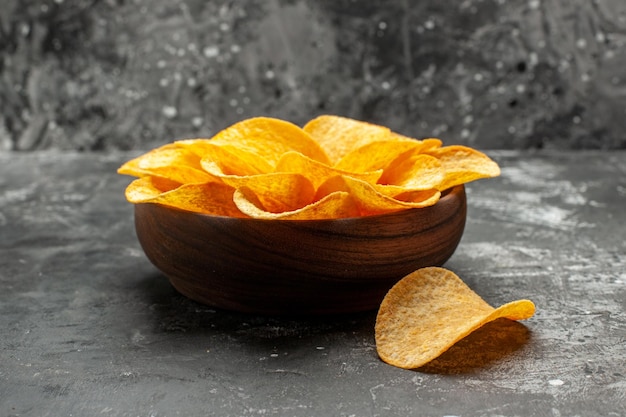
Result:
{"points": [[129, 74]]}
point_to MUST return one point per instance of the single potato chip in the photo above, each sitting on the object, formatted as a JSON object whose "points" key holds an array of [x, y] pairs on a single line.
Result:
{"points": [[168, 161], [146, 188], [231, 159], [428, 311], [336, 205], [197, 146], [318, 172], [369, 199], [277, 191], [374, 155], [208, 198], [270, 139], [431, 143], [340, 135], [416, 196], [462, 165], [415, 171]]}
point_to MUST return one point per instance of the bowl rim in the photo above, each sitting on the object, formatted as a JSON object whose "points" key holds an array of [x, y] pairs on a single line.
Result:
{"points": [[446, 195]]}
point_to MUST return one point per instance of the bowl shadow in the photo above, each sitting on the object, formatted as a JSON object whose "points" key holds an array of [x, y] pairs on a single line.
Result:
{"points": [[174, 315]]}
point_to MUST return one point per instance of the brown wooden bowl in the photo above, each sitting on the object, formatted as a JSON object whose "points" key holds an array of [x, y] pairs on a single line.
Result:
{"points": [[297, 266]]}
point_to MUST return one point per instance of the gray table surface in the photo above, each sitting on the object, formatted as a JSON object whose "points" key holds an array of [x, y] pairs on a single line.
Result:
{"points": [[90, 328]]}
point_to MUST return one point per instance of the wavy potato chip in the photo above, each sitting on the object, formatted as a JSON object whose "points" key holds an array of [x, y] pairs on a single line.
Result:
{"points": [[428, 311], [198, 146], [277, 191], [270, 139], [462, 165], [337, 205], [340, 135], [318, 172], [209, 198], [168, 161], [231, 159], [234, 161], [375, 155], [146, 188], [415, 171], [431, 143], [369, 199], [416, 196]]}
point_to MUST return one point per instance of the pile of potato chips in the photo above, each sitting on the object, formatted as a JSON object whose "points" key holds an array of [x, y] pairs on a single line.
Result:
{"points": [[333, 167]]}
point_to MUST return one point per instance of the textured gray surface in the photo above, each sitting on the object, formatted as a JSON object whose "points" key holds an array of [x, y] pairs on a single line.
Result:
{"points": [[89, 327], [495, 74]]}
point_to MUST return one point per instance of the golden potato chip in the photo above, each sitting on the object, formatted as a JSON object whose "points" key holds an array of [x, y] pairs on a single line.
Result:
{"points": [[431, 143], [208, 198], [427, 143], [430, 310], [398, 192], [168, 161], [415, 196], [462, 165], [340, 135], [197, 146], [318, 172], [336, 205], [270, 139], [369, 199], [231, 159], [415, 171], [146, 188], [374, 155], [278, 191]]}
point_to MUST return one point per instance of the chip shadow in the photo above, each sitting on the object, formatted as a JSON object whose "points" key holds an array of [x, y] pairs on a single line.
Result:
{"points": [[482, 348]]}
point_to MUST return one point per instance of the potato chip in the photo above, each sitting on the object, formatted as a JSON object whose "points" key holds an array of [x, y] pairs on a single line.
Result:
{"points": [[430, 143], [277, 191], [168, 161], [428, 311], [270, 139], [146, 188], [231, 159], [318, 172], [462, 165], [197, 146], [426, 143], [417, 196], [340, 135], [374, 155], [209, 198], [415, 171], [368, 199], [336, 205]]}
